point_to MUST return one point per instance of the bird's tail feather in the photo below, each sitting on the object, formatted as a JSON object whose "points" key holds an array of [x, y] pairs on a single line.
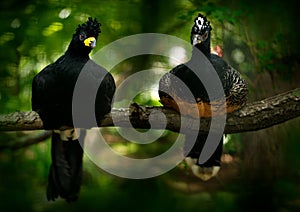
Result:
{"points": [[66, 169], [211, 167]]}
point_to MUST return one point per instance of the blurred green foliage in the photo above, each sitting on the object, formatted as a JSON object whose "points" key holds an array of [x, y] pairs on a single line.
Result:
{"points": [[35, 33], [260, 39]]}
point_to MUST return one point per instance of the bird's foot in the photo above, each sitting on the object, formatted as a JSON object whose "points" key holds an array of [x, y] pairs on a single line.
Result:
{"points": [[67, 134]]}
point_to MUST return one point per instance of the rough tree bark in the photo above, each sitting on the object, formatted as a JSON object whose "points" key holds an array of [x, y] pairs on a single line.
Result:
{"points": [[254, 116]]}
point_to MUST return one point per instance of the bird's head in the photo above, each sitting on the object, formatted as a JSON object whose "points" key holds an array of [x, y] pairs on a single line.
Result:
{"points": [[200, 30], [87, 33]]}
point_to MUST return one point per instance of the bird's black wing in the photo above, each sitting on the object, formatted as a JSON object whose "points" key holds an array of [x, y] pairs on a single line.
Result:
{"points": [[104, 97], [182, 90], [52, 95], [66, 169], [50, 102], [96, 86], [175, 81], [44, 90], [234, 86]]}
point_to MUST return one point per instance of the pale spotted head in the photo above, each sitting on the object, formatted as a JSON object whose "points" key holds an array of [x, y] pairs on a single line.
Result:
{"points": [[200, 30]]}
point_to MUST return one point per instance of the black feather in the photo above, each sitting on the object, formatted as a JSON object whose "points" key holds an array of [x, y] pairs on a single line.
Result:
{"points": [[52, 93], [66, 169], [234, 87], [92, 27]]}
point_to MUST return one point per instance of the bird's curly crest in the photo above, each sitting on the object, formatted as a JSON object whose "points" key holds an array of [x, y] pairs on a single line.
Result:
{"points": [[201, 24], [92, 27]]}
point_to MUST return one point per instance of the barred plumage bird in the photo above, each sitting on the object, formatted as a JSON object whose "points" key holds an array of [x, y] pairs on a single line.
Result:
{"points": [[52, 93], [234, 87]]}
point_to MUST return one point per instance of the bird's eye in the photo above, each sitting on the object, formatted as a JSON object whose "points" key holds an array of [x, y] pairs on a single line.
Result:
{"points": [[82, 36]]}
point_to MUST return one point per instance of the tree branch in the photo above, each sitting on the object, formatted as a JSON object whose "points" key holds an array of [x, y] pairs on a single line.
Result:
{"points": [[25, 141], [254, 116]]}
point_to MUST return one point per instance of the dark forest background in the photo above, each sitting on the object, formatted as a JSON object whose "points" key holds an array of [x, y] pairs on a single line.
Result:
{"points": [[261, 170]]}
